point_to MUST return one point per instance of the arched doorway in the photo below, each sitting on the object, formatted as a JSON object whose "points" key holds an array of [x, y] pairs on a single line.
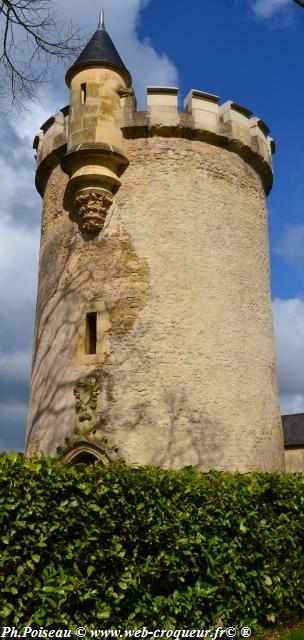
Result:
{"points": [[85, 453], [84, 457]]}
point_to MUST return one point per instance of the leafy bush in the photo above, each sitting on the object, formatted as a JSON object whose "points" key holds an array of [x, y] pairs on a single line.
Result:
{"points": [[297, 635], [130, 547]]}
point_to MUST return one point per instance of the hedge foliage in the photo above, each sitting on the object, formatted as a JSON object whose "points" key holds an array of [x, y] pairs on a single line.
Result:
{"points": [[122, 546]]}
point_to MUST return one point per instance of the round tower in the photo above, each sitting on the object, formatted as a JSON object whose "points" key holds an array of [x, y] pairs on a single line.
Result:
{"points": [[154, 339]]}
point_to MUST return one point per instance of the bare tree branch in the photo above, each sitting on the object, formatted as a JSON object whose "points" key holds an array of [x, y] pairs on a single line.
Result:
{"points": [[31, 36]]}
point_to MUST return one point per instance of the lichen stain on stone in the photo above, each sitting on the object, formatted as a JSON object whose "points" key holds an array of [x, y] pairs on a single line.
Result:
{"points": [[112, 270], [110, 389], [53, 207], [131, 288], [33, 447], [106, 108]]}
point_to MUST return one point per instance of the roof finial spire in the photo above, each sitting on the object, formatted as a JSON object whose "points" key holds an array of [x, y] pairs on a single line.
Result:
{"points": [[101, 26]]}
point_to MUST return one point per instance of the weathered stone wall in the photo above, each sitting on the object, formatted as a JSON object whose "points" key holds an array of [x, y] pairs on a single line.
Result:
{"points": [[77, 274], [203, 346], [180, 279]]}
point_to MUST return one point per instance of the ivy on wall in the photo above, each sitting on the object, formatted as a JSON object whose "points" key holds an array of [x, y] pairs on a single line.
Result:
{"points": [[127, 547]]}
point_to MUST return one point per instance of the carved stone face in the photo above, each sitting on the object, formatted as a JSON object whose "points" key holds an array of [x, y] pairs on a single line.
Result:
{"points": [[92, 208]]}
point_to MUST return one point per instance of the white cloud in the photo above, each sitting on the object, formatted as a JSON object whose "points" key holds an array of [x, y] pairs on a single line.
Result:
{"points": [[289, 334], [267, 8], [20, 205], [18, 268], [16, 366], [146, 65], [11, 438], [32, 119], [292, 404], [291, 246], [18, 265]]}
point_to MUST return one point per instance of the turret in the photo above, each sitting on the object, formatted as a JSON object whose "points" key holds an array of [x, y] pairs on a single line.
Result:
{"points": [[95, 157]]}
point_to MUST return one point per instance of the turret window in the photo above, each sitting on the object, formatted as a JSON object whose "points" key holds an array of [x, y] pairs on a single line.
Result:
{"points": [[83, 92], [91, 333]]}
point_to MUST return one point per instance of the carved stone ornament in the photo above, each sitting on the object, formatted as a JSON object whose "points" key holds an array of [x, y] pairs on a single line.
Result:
{"points": [[88, 436], [92, 208], [86, 392]]}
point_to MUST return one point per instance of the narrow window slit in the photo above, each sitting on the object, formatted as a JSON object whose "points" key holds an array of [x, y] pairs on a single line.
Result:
{"points": [[91, 332], [83, 92]]}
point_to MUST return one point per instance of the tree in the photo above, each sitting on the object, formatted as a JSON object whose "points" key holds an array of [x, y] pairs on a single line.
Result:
{"points": [[31, 36]]}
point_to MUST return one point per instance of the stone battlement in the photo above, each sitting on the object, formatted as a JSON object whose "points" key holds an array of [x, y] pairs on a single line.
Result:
{"points": [[227, 125]]}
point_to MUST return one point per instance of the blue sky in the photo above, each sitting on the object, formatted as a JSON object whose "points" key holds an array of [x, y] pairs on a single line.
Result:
{"points": [[249, 51], [238, 54]]}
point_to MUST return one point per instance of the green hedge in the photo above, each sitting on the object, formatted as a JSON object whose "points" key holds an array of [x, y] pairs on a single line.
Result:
{"points": [[122, 546]]}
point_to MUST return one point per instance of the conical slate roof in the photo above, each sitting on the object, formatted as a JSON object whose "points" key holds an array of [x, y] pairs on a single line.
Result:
{"points": [[99, 52]]}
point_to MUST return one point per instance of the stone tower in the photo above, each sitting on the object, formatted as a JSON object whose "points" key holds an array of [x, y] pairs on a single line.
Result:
{"points": [[154, 337]]}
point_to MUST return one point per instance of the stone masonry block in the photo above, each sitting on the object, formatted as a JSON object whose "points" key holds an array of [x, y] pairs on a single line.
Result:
{"points": [[235, 121], [128, 101], [272, 145], [53, 126], [259, 133], [162, 105], [128, 105], [65, 113], [204, 109]]}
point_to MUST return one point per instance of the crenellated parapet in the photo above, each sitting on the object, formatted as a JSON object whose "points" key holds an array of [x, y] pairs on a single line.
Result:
{"points": [[227, 125], [50, 145]]}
